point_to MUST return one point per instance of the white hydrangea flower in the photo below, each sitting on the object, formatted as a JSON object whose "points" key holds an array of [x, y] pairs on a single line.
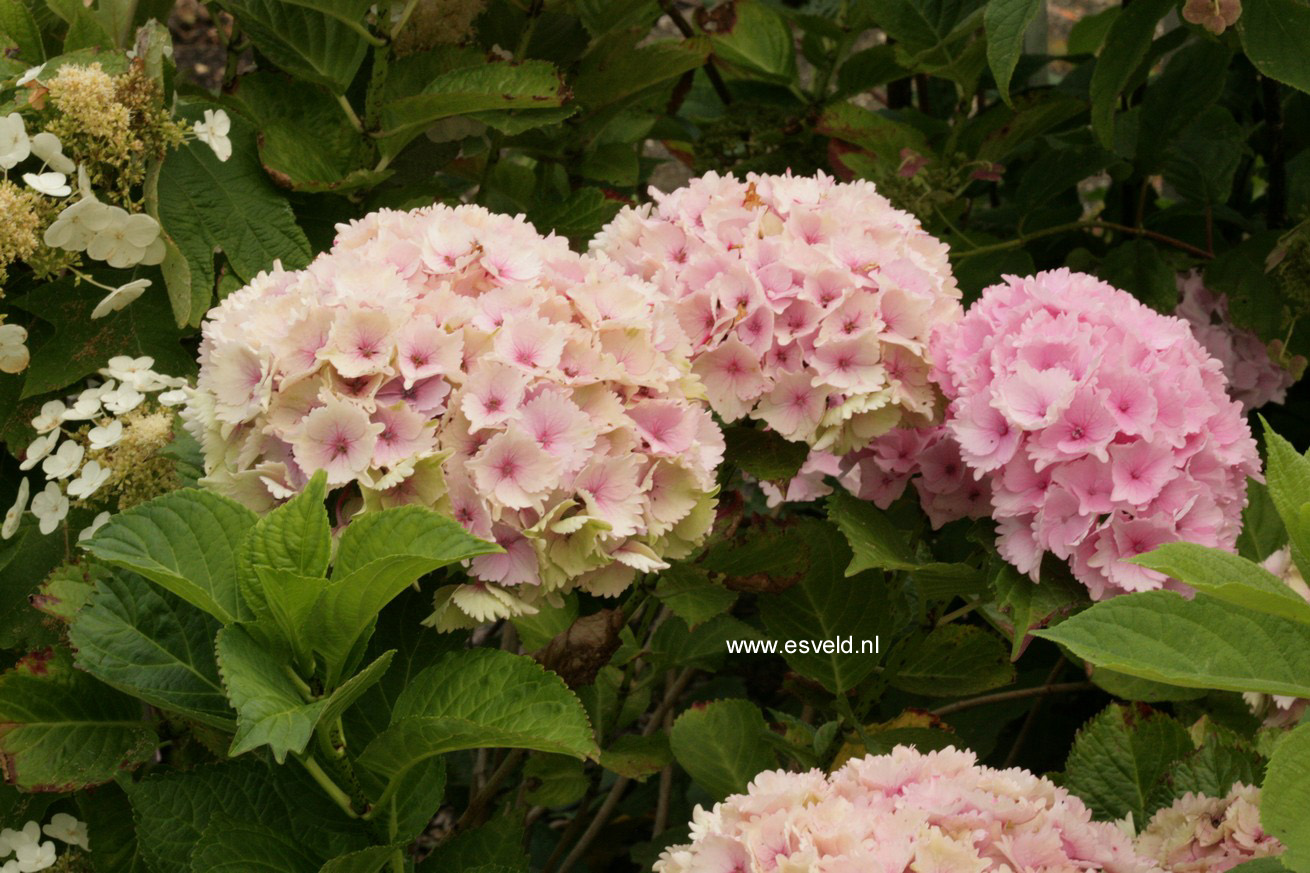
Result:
{"points": [[50, 184], [174, 397], [87, 406], [38, 449], [123, 239], [52, 412], [103, 436], [120, 297], [47, 147], [14, 144], [123, 399], [213, 132], [31, 74], [75, 227], [50, 507], [68, 829], [14, 356], [12, 519], [64, 462], [93, 475], [90, 530]]}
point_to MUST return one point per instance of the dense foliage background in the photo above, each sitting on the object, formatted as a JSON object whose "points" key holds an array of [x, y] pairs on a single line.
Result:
{"points": [[1135, 145]]}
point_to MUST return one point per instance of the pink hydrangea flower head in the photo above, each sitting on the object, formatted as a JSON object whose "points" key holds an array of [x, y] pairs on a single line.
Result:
{"points": [[458, 359], [1104, 428], [939, 812], [1254, 379], [1200, 834], [809, 303]]}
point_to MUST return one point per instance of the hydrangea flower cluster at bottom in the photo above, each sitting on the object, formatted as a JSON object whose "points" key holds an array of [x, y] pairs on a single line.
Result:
{"points": [[1200, 834], [939, 812]]}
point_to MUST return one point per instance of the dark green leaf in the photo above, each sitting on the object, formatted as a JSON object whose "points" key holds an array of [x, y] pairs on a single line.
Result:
{"points": [[1119, 758], [955, 660], [321, 42], [1286, 796], [722, 745], [689, 594], [764, 454], [1006, 22], [1276, 37], [1126, 46], [1138, 268]]}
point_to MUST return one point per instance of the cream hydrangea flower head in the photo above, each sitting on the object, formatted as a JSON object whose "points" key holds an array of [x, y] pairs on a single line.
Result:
{"points": [[1200, 834], [456, 358], [809, 302], [939, 812]]}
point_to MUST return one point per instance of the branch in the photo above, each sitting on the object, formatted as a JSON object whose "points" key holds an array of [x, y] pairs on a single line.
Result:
{"points": [[1014, 694], [1093, 224], [720, 87]]}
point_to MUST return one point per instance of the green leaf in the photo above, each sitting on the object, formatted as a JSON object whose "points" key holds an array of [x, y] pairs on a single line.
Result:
{"points": [[24, 561], [152, 645], [1227, 577], [1057, 170], [380, 555], [1287, 473], [208, 205], [935, 36], [1198, 643], [1138, 268], [875, 542], [764, 454], [1285, 797], [955, 660], [827, 607], [616, 69], [705, 647], [1031, 605], [1088, 33], [109, 816], [554, 780], [1205, 158], [722, 745], [1119, 759], [579, 216], [537, 630], [18, 23], [689, 594], [1259, 865], [637, 757], [1276, 38], [174, 807], [475, 699], [1006, 22], [368, 860], [1126, 46], [867, 69], [496, 847], [79, 345], [1192, 81], [61, 730], [877, 134], [753, 37], [306, 142], [1263, 532], [1214, 768], [1127, 687], [260, 682], [486, 86], [296, 536], [612, 163], [184, 541], [321, 42], [230, 845]]}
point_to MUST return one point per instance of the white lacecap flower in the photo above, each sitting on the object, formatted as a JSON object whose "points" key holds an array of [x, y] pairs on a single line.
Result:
{"points": [[38, 449], [90, 530], [68, 829], [47, 147], [14, 356], [64, 462], [50, 184], [123, 239], [87, 406], [93, 475], [174, 397], [105, 435], [50, 507], [52, 412], [123, 399], [72, 229], [13, 517], [120, 297], [31, 74], [14, 144], [213, 131]]}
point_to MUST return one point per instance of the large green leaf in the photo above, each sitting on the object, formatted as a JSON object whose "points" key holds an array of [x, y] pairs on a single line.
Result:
{"points": [[230, 845], [1276, 38], [1006, 22], [259, 679], [1191, 82], [722, 745], [1027, 604], [1263, 532], [1204, 161], [152, 645], [1138, 267], [753, 37], [1126, 46], [320, 41], [826, 606], [764, 454], [1225, 576], [369, 860], [1198, 643], [1288, 474], [478, 699], [615, 68], [207, 204], [955, 660], [108, 815], [296, 536], [1286, 797], [61, 730], [186, 541], [18, 23], [689, 594], [1119, 759], [875, 542], [173, 809]]}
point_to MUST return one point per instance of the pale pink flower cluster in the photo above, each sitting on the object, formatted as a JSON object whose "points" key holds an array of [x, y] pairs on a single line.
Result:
{"points": [[1105, 428], [1200, 834], [455, 358], [809, 303], [1253, 378], [939, 812]]}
